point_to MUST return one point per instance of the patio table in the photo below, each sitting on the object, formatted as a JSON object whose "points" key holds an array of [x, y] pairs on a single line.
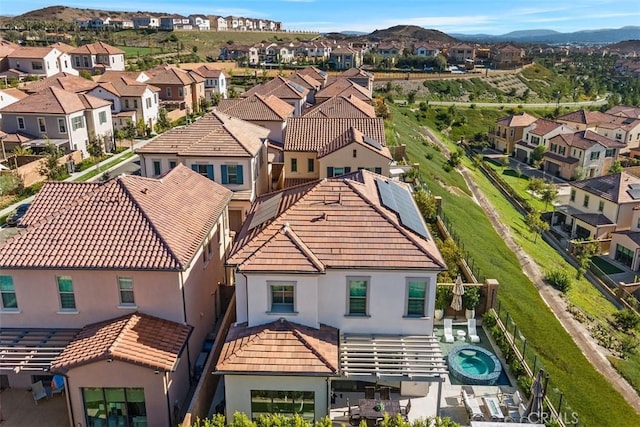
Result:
{"points": [[370, 410], [493, 406]]}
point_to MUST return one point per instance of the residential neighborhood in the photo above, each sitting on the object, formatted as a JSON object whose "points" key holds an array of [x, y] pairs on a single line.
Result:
{"points": [[198, 240]]}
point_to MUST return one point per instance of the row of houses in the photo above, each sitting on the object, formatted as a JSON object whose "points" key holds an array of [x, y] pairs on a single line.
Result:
{"points": [[143, 267], [576, 143], [171, 22]]}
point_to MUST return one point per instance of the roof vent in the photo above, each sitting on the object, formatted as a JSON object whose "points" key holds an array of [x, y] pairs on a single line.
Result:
{"points": [[144, 190]]}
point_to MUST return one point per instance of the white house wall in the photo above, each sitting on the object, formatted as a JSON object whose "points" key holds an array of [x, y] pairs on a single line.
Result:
{"points": [[238, 390]]}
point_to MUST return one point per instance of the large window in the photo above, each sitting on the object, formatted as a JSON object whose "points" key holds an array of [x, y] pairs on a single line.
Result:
{"points": [[265, 402], [282, 297], [204, 170], [156, 168], [416, 297], [42, 125], [624, 255], [36, 66], [9, 300], [125, 289], [62, 126], [114, 406], [357, 288], [65, 290], [20, 121], [232, 174], [102, 117], [77, 123]]}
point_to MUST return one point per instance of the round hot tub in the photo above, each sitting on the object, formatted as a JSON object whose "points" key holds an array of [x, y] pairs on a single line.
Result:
{"points": [[474, 365]]}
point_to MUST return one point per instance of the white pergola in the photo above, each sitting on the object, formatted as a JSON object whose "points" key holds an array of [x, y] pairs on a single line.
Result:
{"points": [[393, 358], [32, 349]]}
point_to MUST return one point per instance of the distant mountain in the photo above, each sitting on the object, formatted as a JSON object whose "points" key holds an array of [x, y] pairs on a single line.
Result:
{"points": [[603, 36], [410, 33]]}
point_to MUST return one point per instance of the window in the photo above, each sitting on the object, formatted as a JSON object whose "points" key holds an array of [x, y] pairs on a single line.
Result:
{"points": [[121, 406], [148, 102], [9, 300], [232, 174], [169, 92], [624, 255], [62, 126], [595, 155], [355, 153], [357, 296], [86, 61], [36, 66], [180, 92], [102, 117], [282, 298], [265, 402], [416, 297], [42, 125], [172, 164], [77, 59], [77, 123], [554, 147], [601, 206], [310, 165], [125, 288], [21, 124], [585, 202], [156, 167], [204, 170], [294, 165], [135, 103], [610, 152], [65, 290], [572, 197], [126, 103]]}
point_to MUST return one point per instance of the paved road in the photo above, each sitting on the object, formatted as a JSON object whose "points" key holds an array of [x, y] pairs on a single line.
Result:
{"points": [[600, 101], [578, 331], [131, 166]]}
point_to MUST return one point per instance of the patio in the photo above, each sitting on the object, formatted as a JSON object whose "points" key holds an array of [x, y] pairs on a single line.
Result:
{"points": [[18, 409]]}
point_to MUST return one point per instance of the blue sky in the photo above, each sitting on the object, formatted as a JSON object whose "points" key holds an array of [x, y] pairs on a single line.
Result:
{"points": [[449, 16]]}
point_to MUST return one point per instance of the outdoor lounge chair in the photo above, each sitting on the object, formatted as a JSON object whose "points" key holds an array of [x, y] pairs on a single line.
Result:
{"points": [[57, 384], [472, 406], [472, 333], [510, 400], [516, 415], [448, 330], [38, 391]]}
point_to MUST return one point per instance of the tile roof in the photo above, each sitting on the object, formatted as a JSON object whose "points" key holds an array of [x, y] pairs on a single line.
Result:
{"points": [[280, 347], [313, 133], [127, 87], [625, 111], [211, 73], [134, 338], [111, 75], [257, 108], [126, 223], [586, 139], [544, 126], [97, 48], [585, 117], [168, 75], [336, 222], [517, 120], [15, 93], [314, 73], [352, 136], [613, 187], [618, 122], [342, 106], [28, 52], [65, 81], [53, 100], [214, 135], [345, 87], [305, 81], [62, 47], [6, 47], [280, 87], [356, 72]]}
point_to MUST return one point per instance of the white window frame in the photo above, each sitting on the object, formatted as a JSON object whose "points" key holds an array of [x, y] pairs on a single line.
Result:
{"points": [[270, 285], [62, 125], [126, 280], [9, 291], [367, 281], [73, 309], [102, 117], [21, 123], [427, 285], [42, 125]]}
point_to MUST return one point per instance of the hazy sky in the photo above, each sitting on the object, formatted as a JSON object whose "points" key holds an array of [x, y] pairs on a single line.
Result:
{"points": [[449, 16]]}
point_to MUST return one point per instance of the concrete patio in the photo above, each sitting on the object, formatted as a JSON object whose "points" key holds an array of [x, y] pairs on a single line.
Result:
{"points": [[18, 409]]}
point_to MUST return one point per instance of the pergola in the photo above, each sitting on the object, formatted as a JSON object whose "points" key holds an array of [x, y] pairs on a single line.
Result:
{"points": [[32, 349], [393, 358]]}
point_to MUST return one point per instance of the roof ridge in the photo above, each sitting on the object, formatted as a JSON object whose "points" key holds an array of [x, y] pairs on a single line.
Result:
{"points": [[307, 344], [125, 326], [287, 231], [155, 229], [237, 352]]}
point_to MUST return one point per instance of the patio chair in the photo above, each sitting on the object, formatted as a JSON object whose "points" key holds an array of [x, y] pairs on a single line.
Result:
{"points": [[370, 392], [472, 333], [354, 414], [38, 391], [516, 414], [404, 410], [448, 330], [510, 400], [472, 406], [57, 384], [385, 393]]}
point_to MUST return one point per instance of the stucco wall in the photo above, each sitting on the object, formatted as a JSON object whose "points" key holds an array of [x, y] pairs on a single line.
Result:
{"points": [[302, 159], [365, 158]]}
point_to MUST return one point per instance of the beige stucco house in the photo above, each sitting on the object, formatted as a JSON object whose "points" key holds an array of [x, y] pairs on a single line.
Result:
{"points": [[115, 286]]}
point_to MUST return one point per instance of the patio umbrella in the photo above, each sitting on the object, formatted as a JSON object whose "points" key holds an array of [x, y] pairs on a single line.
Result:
{"points": [[458, 291], [535, 406]]}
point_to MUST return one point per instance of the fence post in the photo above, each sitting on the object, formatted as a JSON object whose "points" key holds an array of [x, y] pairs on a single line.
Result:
{"points": [[535, 362], [560, 403]]}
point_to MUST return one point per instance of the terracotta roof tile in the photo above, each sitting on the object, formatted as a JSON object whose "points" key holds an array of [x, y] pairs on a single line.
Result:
{"points": [[28, 52], [97, 48], [167, 75], [517, 120], [586, 139], [352, 136], [127, 87], [342, 107], [341, 221], [342, 86], [585, 117], [257, 108], [128, 223], [53, 100], [280, 87], [64, 81], [625, 111], [314, 133], [62, 47], [15, 93], [214, 135], [211, 73], [614, 187], [280, 347], [135, 338], [306, 81], [315, 73]]}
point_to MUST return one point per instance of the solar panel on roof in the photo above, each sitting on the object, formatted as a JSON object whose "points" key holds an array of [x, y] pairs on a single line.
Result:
{"points": [[265, 211], [634, 186], [372, 142], [635, 194], [398, 199], [601, 186], [296, 86]]}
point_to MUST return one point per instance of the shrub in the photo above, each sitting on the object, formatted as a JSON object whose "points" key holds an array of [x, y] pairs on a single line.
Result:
{"points": [[626, 319], [471, 298], [559, 279], [489, 319]]}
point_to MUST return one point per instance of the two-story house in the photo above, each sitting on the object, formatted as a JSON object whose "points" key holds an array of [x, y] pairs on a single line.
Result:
{"points": [[175, 22], [267, 111], [509, 130], [422, 49], [622, 129], [319, 147], [460, 53], [507, 56], [179, 89], [218, 23], [625, 244], [225, 149], [342, 107], [199, 22], [66, 119], [215, 81], [37, 61], [115, 286], [600, 206], [288, 91], [578, 154], [322, 298], [97, 58], [537, 134], [343, 58], [145, 21], [342, 86]]}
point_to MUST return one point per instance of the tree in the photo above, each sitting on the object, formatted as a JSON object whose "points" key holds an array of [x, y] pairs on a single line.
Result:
{"points": [[584, 253], [411, 96], [535, 224], [615, 167], [427, 204], [50, 168], [130, 130], [535, 185], [163, 123], [381, 108], [141, 127], [538, 154], [95, 147], [86, 75], [548, 194]]}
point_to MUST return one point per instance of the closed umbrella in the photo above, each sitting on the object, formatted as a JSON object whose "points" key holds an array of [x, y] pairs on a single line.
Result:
{"points": [[535, 406], [458, 291]]}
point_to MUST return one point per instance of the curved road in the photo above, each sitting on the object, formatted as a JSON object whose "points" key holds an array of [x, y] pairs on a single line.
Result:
{"points": [[578, 331], [600, 101]]}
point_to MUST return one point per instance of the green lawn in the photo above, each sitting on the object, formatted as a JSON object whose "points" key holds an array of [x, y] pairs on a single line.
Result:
{"points": [[591, 395], [117, 159]]}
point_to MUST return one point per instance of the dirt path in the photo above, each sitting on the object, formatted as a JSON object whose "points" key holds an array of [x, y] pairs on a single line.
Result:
{"points": [[578, 331]]}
